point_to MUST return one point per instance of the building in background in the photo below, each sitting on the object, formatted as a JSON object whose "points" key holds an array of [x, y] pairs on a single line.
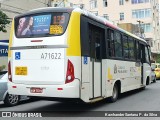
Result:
{"points": [[140, 17], [16, 7], [13, 8]]}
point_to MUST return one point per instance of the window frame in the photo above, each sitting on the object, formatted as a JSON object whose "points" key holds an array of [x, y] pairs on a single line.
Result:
{"points": [[121, 40], [121, 2], [141, 13], [105, 3], [131, 39], [124, 47], [138, 53], [93, 4], [121, 16], [110, 42], [147, 60], [106, 16]]}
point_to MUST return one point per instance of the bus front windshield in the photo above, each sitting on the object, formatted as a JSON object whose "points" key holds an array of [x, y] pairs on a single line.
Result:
{"points": [[41, 25]]}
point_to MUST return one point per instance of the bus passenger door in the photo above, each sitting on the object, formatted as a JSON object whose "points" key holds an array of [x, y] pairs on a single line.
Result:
{"points": [[96, 36], [144, 65]]}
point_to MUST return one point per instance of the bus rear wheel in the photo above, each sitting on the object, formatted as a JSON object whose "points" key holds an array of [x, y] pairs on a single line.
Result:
{"points": [[115, 92], [11, 100]]}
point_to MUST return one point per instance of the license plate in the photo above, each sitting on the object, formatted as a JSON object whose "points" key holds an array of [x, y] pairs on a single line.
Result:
{"points": [[21, 70], [36, 90]]}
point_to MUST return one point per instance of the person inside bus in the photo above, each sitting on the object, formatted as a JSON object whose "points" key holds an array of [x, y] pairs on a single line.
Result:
{"points": [[28, 27], [20, 26]]}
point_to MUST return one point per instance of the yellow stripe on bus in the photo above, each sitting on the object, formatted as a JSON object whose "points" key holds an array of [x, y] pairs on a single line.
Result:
{"points": [[110, 76], [11, 38], [73, 40]]}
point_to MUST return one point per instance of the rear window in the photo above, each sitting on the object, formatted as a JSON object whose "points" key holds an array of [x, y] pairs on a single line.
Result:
{"points": [[41, 25]]}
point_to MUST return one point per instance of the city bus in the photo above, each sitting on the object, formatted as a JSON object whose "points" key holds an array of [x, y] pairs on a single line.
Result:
{"points": [[71, 54]]}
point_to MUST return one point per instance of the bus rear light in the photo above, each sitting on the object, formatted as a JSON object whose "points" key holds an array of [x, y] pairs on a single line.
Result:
{"points": [[59, 88], [9, 72], [70, 72], [14, 86], [36, 40], [69, 77]]}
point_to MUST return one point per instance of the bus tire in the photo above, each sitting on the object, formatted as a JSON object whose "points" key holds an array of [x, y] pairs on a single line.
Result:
{"points": [[11, 100], [147, 81], [154, 81], [143, 88], [115, 92]]}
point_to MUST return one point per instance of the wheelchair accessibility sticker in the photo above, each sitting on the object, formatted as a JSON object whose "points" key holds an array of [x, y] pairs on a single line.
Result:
{"points": [[17, 55]]}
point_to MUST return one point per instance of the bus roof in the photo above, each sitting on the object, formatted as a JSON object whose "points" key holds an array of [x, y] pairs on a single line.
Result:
{"points": [[106, 22], [84, 12], [46, 9]]}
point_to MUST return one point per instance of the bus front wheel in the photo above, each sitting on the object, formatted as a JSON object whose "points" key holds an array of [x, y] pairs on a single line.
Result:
{"points": [[114, 96]]}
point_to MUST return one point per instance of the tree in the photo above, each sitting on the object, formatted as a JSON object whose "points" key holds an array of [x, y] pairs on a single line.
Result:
{"points": [[4, 20], [158, 58]]}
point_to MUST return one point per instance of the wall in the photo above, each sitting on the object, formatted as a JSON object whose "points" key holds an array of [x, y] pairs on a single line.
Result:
{"points": [[15, 7]]}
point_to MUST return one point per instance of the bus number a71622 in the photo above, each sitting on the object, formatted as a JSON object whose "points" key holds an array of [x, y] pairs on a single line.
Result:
{"points": [[51, 56]]}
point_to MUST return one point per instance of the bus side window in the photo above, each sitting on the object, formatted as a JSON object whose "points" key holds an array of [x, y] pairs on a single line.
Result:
{"points": [[118, 45], [147, 60], [110, 40], [96, 38], [149, 51], [138, 52], [125, 47], [131, 48], [85, 39], [97, 45], [135, 49], [100, 51]]}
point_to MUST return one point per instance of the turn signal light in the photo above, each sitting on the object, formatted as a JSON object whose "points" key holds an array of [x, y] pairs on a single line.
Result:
{"points": [[9, 72], [70, 72]]}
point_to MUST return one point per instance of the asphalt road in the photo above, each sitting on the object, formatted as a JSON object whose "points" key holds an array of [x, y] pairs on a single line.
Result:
{"points": [[137, 100]]}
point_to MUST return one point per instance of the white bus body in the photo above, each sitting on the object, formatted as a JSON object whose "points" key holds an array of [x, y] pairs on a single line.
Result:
{"points": [[55, 66]]}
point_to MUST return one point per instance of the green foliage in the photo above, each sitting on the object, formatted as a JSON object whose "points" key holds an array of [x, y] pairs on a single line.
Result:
{"points": [[158, 58], [2, 67], [4, 20]]}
